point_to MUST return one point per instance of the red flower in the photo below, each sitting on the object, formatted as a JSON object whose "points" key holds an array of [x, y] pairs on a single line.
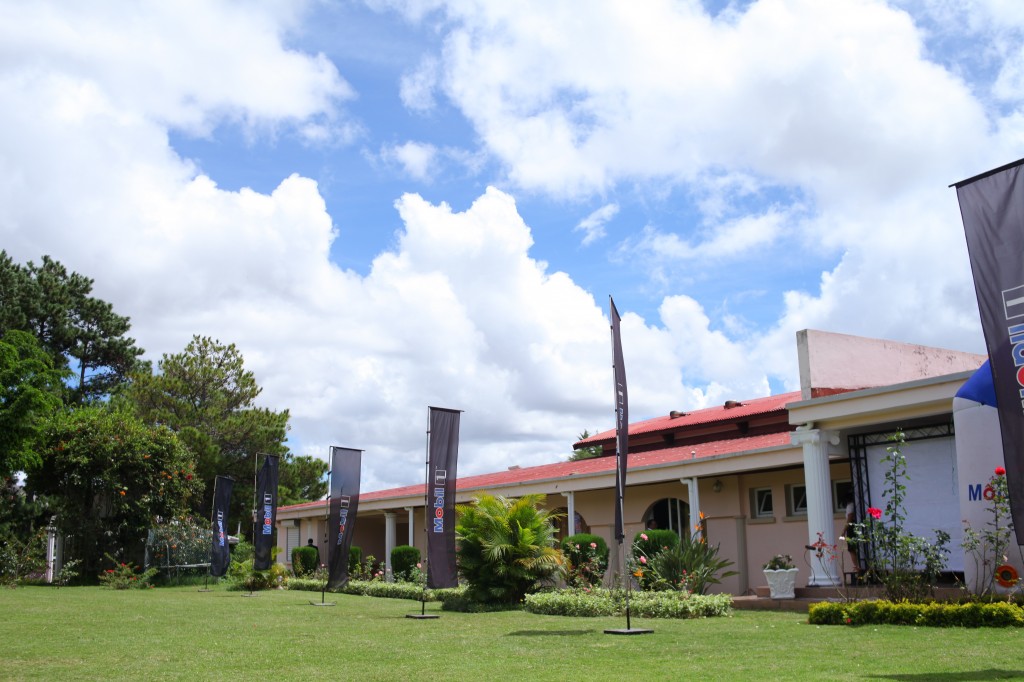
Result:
{"points": [[1000, 471], [188, 477], [875, 512]]}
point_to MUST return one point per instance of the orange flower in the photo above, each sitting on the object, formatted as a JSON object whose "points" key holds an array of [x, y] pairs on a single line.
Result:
{"points": [[123, 492]]}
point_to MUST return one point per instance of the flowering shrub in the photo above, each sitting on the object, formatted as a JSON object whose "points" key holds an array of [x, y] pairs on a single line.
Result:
{"points": [[906, 565], [586, 559], [661, 561], [124, 576], [179, 542], [988, 546]]}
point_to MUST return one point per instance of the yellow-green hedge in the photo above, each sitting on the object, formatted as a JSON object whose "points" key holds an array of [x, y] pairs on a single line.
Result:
{"points": [[931, 614]]}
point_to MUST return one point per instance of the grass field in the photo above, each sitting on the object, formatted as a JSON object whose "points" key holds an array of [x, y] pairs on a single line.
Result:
{"points": [[90, 633]]}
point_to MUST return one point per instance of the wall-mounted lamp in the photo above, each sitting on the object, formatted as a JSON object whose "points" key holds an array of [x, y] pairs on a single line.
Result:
{"points": [[716, 486], [296, 521]]}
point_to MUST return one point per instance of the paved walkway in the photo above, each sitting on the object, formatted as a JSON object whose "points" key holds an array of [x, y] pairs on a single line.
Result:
{"points": [[805, 596]]}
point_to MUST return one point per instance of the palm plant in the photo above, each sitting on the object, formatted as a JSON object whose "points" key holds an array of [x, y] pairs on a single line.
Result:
{"points": [[506, 547]]}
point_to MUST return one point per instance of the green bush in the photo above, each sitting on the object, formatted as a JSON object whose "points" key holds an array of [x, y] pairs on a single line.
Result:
{"points": [[572, 602], [403, 562], [506, 547], [586, 559], [930, 614], [591, 603], [124, 576], [379, 588], [355, 560], [680, 605], [692, 565], [241, 576], [657, 540], [305, 560]]}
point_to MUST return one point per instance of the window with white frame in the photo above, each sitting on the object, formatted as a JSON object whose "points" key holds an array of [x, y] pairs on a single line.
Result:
{"points": [[796, 500], [841, 492], [761, 503]]}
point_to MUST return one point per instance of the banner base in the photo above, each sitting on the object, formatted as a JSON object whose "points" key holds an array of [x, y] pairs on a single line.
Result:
{"points": [[322, 603], [629, 631], [422, 616], [204, 590]]}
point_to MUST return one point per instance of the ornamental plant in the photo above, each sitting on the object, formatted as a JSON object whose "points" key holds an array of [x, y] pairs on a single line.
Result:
{"points": [[586, 559], [506, 547], [125, 576], [779, 562], [906, 565], [692, 565], [988, 546], [404, 559], [646, 546]]}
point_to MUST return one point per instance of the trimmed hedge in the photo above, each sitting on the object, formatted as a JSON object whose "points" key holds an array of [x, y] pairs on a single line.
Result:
{"points": [[657, 539], [583, 603], [403, 561], [305, 560], [929, 614], [377, 588]]}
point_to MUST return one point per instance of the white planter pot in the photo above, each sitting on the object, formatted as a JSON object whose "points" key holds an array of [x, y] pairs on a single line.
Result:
{"points": [[782, 582]]}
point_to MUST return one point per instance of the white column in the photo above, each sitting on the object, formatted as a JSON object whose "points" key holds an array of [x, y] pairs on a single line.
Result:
{"points": [[51, 552], [815, 444], [571, 497], [412, 519], [694, 500], [389, 542]]}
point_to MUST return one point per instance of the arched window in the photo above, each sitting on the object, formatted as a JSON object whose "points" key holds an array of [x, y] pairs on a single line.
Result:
{"points": [[562, 523], [668, 512]]}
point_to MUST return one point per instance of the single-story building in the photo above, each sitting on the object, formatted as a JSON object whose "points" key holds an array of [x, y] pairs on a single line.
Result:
{"points": [[769, 474]]}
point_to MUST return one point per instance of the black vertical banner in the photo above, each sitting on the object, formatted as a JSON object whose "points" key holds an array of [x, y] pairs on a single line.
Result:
{"points": [[341, 519], [621, 420], [992, 208], [441, 473], [220, 553], [266, 513]]}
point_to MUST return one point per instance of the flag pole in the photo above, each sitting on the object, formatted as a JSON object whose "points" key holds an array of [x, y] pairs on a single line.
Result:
{"points": [[327, 525], [213, 505], [621, 408], [422, 615], [255, 507]]}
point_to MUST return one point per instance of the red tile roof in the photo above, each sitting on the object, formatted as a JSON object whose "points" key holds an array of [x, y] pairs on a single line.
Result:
{"points": [[597, 465], [708, 415]]}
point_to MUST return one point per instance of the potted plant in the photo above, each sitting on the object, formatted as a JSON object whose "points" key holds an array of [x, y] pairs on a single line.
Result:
{"points": [[780, 573]]}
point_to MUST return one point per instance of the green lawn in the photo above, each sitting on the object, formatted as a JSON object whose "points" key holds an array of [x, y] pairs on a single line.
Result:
{"points": [[180, 633]]}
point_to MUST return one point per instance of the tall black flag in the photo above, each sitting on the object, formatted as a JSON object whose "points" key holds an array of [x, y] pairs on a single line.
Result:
{"points": [[266, 513], [621, 420], [441, 474], [344, 503], [992, 208], [220, 553]]}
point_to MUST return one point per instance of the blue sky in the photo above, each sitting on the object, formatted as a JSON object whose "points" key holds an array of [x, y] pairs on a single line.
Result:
{"points": [[390, 204]]}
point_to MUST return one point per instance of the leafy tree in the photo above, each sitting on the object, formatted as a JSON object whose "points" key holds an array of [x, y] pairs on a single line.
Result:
{"points": [[506, 547], [588, 452], [30, 390], [301, 479], [207, 397], [108, 477], [76, 329]]}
